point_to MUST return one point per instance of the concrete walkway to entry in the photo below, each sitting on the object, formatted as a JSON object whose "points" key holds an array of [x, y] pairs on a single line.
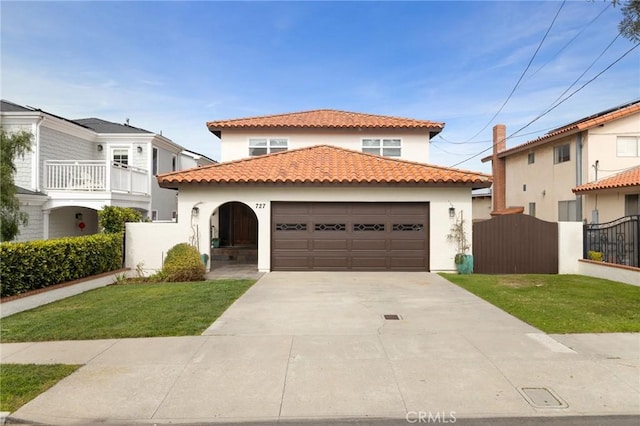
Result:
{"points": [[317, 345]]}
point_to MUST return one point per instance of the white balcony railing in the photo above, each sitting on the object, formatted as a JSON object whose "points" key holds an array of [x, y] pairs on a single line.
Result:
{"points": [[63, 175]]}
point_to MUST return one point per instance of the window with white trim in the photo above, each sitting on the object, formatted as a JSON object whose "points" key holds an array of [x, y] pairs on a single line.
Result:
{"points": [[384, 147], [561, 153], [120, 156], [628, 146], [174, 162], [262, 146]]}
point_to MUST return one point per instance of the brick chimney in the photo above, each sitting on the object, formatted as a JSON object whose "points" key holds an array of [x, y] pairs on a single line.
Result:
{"points": [[498, 168]]}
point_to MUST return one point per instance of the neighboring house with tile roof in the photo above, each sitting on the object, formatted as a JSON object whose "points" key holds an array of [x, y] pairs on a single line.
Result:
{"points": [[541, 175], [76, 167], [614, 196], [319, 190]]}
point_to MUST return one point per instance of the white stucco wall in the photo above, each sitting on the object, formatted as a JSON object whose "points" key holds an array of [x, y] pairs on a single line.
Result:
{"points": [[415, 144], [613, 273], [610, 205], [147, 243], [569, 247], [546, 183], [600, 145]]}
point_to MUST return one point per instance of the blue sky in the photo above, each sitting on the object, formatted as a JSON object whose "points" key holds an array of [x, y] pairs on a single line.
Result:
{"points": [[172, 66]]}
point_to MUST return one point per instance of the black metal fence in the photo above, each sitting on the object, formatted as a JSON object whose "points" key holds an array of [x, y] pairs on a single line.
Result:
{"points": [[618, 241]]}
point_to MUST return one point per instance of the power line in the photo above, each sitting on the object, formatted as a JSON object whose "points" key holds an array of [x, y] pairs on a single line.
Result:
{"points": [[523, 73], [445, 140], [554, 106], [572, 39]]}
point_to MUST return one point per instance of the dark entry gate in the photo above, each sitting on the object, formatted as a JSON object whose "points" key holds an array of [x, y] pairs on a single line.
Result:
{"points": [[515, 244]]}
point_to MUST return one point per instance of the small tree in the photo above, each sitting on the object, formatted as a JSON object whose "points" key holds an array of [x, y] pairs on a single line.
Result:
{"points": [[458, 235], [113, 218], [11, 146]]}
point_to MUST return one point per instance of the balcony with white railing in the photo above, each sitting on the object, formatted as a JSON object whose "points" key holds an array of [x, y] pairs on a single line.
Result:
{"points": [[95, 176]]}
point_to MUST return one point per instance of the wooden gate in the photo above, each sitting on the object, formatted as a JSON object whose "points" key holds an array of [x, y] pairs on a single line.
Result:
{"points": [[515, 244]]}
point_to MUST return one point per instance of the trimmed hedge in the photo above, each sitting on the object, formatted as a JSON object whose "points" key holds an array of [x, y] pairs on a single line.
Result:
{"points": [[37, 264]]}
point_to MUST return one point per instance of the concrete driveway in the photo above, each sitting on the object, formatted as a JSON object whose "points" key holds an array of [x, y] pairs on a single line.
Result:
{"points": [[316, 345]]}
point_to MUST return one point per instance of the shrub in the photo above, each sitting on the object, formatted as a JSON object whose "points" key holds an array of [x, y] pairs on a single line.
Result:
{"points": [[113, 218], [183, 263], [595, 255], [37, 264]]}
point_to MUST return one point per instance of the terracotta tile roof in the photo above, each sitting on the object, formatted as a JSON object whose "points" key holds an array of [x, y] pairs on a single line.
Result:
{"points": [[575, 127], [625, 179], [324, 164], [325, 118]]}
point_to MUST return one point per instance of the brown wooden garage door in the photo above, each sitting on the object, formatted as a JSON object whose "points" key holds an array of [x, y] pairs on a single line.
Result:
{"points": [[350, 236]]}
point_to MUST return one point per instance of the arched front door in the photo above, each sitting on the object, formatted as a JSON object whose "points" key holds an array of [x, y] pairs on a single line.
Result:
{"points": [[238, 225]]}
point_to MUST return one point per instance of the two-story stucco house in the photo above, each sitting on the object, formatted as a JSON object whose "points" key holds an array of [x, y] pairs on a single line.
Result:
{"points": [[550, 177], [324, 190], [76, 167]]}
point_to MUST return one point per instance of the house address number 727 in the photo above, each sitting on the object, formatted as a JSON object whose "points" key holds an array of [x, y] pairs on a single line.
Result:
{"points": [[261, 205]]}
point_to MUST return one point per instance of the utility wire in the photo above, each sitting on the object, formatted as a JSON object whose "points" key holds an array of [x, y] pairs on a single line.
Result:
{"points": [[571, 41], [521, 75], [553, 107], [445, 140]]}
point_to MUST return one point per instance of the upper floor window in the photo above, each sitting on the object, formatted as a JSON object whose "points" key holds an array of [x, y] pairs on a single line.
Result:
{"points": [[561, 153], [121, 156], [384, 147], [628, 146], [262, 146], [174, 163], [531, 158]]}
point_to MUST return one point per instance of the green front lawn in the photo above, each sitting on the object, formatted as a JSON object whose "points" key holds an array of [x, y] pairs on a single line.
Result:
{"points": [[20, 383], [128, 310], [560, 303]]}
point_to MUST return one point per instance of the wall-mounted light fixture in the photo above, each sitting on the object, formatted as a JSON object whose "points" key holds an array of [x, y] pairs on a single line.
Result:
{"points": [[195, 211], [452, 212], [100, 148], [139, 149]]}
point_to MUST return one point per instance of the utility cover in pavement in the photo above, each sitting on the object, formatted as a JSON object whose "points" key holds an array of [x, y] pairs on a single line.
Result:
{"points": [[542, 398], [391, 316]]}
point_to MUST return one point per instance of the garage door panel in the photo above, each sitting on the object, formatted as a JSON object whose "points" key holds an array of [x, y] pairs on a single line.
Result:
{"points": [[350, 236], [291, 263], [330, 262], [291, 245], [402, 245], [320, 245], [369, 245], [369, 263], [416, 263]]}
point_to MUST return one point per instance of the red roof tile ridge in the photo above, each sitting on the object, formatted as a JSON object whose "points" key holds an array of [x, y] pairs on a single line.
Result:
{"points": [[582, 124], [232, 121], [625, 178]]}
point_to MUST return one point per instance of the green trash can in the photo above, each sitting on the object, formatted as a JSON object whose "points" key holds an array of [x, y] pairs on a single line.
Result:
{"points": [[205, 258]]}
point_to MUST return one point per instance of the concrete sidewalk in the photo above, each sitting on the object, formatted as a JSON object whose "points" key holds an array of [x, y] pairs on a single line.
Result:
{"points": [[316, 346]]}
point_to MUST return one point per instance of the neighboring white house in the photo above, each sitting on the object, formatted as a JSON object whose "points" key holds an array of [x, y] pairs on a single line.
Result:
{"points": [[319, 190], [76, 167], [549, 176]]}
